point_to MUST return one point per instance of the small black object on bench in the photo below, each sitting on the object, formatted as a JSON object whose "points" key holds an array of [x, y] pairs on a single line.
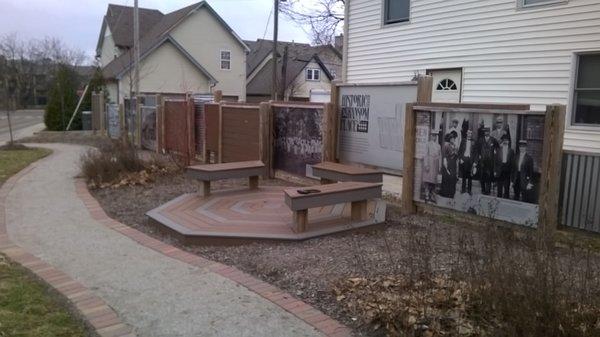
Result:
{"points": [[209, 172], [357, 193], [330, 172]]}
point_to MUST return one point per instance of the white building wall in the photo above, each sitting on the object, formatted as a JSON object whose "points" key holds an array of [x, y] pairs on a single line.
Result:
{"points": [[204, 37], [109, 50], [166, 70], [508, 54], [300, 87]]}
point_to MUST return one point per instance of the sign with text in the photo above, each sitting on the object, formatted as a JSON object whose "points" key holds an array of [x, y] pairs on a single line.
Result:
{"points": [[372, 124]]}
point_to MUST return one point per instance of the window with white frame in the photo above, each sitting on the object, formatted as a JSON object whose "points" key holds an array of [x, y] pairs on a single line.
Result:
{"points": [[313, 74], [533, 3], [225, 60], [586, 96], [395, 11]]}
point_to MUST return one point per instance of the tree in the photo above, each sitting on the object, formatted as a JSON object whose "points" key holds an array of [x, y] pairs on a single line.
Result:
{"points": [[63, 100], [323, 18], [96, 84]]}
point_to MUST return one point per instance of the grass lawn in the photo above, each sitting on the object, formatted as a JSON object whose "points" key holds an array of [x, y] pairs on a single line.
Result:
{"points": [[13, 161], [26, 308]]}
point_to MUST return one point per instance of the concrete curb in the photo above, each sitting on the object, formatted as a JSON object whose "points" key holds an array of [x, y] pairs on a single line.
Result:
{"points": [[313, 317], [100, 318]]}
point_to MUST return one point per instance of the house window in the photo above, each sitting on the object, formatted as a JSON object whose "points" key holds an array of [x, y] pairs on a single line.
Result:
{"points": [[532, 3], [586, 98], [396, 11], [225, 60], [446, 85], [313, 74]]}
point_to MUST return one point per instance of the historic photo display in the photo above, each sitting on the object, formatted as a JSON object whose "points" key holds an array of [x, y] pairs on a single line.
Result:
{"points": [[485, 164]]}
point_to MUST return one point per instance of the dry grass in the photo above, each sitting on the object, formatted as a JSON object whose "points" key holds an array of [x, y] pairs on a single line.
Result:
{"points": [[118, 163], [492, 284]]}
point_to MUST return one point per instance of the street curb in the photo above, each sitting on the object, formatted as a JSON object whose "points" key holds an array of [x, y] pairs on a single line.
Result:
{"points": [[303, 311], [99, 317]]}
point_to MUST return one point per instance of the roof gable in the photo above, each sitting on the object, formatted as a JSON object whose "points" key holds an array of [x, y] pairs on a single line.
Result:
{"points": [[157, 34], [300, 55]]}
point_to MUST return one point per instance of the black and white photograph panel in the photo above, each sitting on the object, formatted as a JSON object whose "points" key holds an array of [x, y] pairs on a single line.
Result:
{"points": [[485, 164]]}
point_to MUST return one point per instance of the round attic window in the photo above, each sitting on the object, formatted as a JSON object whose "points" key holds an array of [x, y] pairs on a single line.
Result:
{"points": [[446, 85]]}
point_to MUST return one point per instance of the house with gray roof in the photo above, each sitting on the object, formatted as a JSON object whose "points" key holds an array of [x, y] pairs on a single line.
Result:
{"points": [[301, 69], [190, 50]]}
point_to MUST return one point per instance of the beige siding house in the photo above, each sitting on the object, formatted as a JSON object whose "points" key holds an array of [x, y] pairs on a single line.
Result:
{"points": [[301, 67], [537, 52], [191, 50]]}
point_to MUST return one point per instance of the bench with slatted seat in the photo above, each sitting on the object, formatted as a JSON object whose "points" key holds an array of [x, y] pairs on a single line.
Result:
{"points": [[300, 199], [210, 172], [333, 172]]}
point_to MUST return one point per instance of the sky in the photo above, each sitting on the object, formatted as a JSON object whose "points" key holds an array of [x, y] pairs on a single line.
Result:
{"points": [[78, 22]]}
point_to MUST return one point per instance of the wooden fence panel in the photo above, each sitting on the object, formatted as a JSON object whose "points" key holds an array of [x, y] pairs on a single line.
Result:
{"points": [[178, 128], [240, 128]]}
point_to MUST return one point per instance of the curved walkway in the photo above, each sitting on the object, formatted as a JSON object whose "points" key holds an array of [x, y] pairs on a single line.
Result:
{"points": [[155, 288]]}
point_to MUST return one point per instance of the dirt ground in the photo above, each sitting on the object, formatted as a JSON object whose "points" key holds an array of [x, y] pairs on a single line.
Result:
{"points": [[306, 269]]}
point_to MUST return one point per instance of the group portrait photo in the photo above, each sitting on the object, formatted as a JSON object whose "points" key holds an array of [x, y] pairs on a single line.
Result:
{"points": [[485, 164]]}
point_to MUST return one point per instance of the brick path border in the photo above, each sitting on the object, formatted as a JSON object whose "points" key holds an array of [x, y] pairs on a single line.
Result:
{"points": [[305, 312], [97, 315]]}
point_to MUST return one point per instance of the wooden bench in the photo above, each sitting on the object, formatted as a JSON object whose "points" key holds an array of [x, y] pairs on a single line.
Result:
{"points": [[333, 172], [210, 172], [357, 193]]}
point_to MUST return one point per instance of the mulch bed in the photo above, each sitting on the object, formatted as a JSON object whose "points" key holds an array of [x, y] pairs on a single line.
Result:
{"points": [[306, 269]]}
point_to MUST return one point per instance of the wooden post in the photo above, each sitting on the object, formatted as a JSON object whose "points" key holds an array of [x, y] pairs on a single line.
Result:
{"points": [[301, 220], [271, 168], [161, 131], [264, 131], [102, 112], [358, 210], [122, 127], [220, 150], [554, 126], [408, 205], [206, 188], [253, 182], [329, 139], [138, 122], [335, 101], [218, 96], [191, 130], [424, 89]]}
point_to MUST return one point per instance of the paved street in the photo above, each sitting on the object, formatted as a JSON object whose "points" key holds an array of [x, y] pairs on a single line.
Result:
{"points": [[24, 123]]}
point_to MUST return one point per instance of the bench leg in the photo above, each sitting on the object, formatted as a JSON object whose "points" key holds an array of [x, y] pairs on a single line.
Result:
{"points": [[325, 181], [358, 210], [253, 182], [300, 220], [206, 188]]}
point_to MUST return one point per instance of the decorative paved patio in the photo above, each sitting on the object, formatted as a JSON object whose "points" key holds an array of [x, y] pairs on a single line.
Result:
{"points": [[242, 215]]}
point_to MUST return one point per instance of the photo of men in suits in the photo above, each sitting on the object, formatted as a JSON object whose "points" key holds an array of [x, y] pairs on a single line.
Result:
{"points": [[478, 161], [503, 167], [467, 154], [449, 160], [523, 184], [487, 149]]}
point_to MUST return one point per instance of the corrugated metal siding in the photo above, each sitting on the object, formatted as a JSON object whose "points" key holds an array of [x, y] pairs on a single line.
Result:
{"points": [[509, 55], [580, 191]]}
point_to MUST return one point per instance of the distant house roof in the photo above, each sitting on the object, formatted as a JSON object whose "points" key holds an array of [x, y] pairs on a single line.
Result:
{"points": [[299, 56], [120, 21], [156, 34]]}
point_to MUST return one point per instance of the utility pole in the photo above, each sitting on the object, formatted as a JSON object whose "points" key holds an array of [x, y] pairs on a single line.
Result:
{"points": [[136, 47], [275, 32]]}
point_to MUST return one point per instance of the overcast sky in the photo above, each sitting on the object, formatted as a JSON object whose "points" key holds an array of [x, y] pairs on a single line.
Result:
{"points": [[77, 22]]}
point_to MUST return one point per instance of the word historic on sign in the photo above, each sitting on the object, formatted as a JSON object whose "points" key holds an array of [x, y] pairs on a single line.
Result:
{"points": [[355, 113]]}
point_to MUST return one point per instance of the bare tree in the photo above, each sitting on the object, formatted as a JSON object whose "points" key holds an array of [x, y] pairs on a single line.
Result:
{"points": [[323, 18]]}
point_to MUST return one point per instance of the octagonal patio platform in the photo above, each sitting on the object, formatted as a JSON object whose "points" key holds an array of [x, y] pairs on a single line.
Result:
{"points": [[237, 216]]}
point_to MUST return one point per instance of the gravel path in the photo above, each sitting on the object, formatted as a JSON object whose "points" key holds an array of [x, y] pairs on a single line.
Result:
{"points": [[155, 294]]}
